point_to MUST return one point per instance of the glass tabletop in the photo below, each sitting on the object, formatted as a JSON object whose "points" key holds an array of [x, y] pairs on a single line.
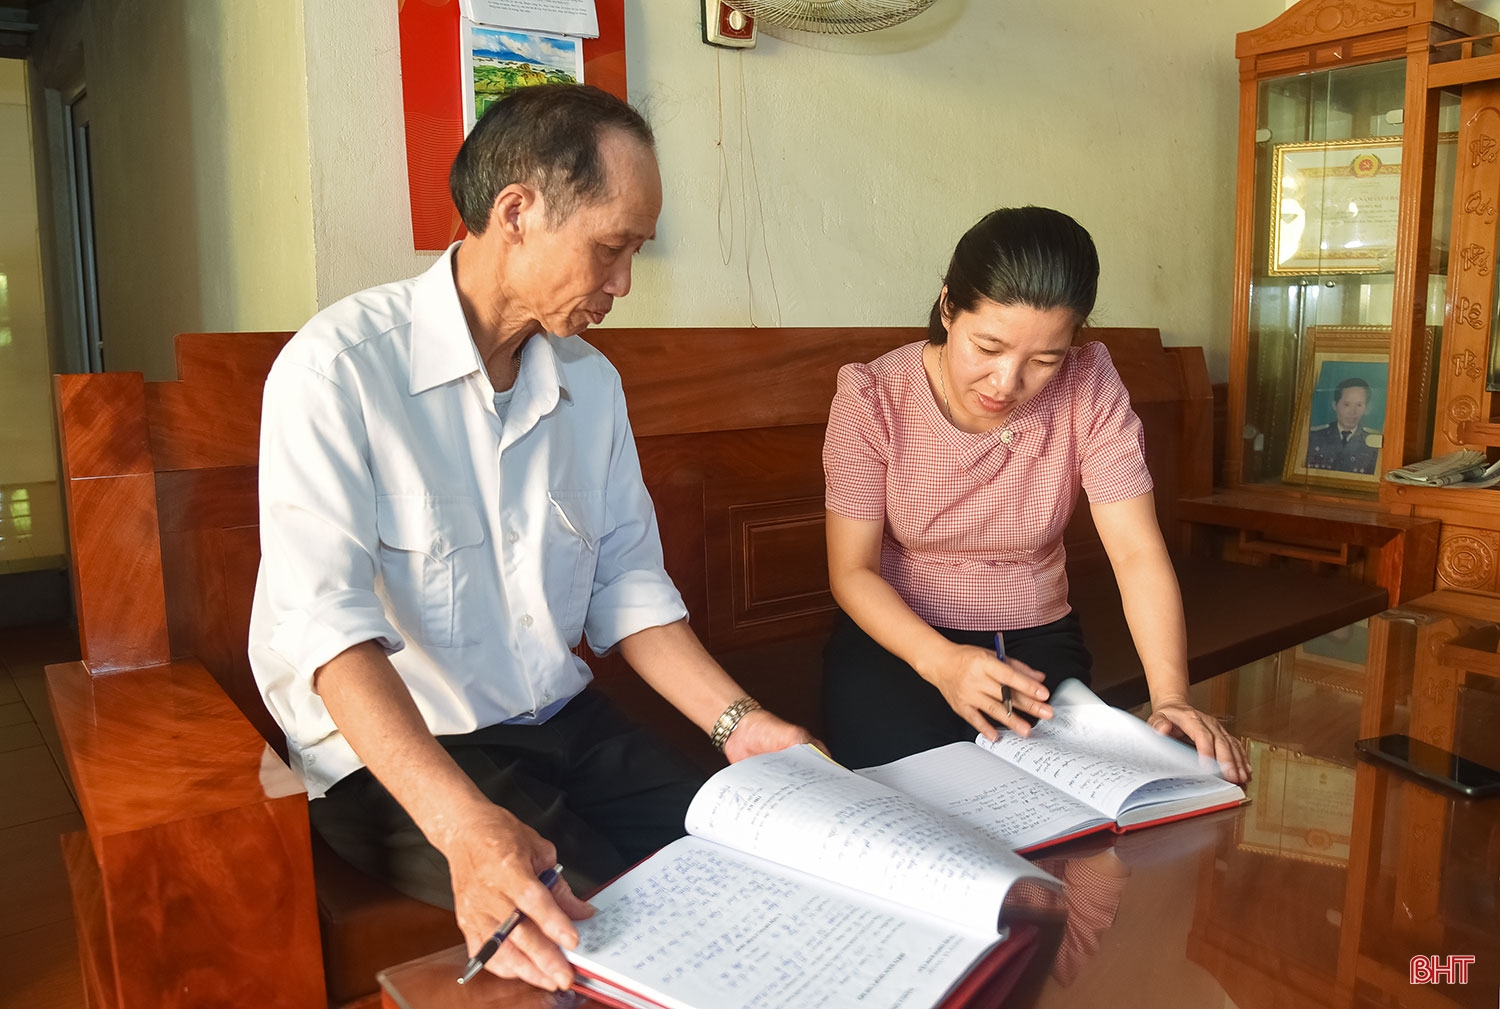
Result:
{"points": [[1319, 892]]}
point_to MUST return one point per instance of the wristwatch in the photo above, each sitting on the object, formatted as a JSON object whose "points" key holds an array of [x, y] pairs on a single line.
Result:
{"points": [[730, 719]]}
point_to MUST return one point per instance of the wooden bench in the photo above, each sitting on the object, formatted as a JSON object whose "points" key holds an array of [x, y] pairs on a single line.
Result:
{"points": [[198, 872]]}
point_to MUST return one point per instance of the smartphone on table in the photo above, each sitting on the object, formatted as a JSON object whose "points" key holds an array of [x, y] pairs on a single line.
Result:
{"points": [[1433, 763]]}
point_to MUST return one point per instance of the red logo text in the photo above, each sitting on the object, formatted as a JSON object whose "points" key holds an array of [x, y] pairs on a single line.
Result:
{"points": [[1440, 969]]}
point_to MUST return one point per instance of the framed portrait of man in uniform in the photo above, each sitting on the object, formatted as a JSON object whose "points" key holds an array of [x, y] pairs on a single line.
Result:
{"points": [[1339, 420]]}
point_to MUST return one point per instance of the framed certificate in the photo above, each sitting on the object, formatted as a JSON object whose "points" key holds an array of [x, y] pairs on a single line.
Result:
{"points": [[1334, 206], [1303, 808]]}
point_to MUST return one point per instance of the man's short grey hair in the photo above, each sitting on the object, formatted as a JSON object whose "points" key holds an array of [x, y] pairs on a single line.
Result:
{"points": [[546, 137]]}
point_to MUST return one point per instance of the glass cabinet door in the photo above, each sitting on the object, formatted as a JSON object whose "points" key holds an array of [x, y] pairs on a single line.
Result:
{"points": [[1328, 153]]}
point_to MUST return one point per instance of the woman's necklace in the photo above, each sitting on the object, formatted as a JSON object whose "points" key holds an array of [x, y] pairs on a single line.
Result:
{"points": [[943, 383]]}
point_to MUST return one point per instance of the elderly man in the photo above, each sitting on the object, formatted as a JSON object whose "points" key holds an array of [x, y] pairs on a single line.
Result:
{"points": [[450, 497], [1346, 444]]}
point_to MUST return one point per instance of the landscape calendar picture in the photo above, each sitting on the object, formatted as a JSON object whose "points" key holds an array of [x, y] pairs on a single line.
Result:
{"points": [[497, 61]]}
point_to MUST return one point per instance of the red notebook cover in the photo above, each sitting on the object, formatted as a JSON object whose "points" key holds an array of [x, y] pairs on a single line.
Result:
{"points": [[1233, 804], [1117, 829]]}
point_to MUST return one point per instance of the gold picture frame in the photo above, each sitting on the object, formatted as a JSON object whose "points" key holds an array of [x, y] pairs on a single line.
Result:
{"points": [[1331, 354], [1302, 806], [1335, 206]]}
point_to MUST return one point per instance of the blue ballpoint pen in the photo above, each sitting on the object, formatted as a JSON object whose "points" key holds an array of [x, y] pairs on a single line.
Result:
{"points": [[1005, 697], [492, 944]]}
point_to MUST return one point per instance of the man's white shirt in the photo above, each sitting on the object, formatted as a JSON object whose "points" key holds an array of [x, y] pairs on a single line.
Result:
{"points": [[397, 506]]}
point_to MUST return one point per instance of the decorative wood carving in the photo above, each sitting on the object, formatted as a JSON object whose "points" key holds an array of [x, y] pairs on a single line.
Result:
{"points": [[1482, 150], [1477, 204], [1466, 362], [1460, 393], [1466, 557], [1477, 258], [1316, 21]]}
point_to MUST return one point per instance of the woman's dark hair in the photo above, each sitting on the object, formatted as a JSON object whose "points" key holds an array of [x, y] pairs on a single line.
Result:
{"points": [[545, 136], [1020, 256]]}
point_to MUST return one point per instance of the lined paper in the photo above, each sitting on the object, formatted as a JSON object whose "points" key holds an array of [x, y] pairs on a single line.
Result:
{"points": [[699, 926]]}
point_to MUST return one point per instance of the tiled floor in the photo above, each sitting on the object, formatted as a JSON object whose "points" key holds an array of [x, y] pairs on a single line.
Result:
{"points": [[38, 948]]}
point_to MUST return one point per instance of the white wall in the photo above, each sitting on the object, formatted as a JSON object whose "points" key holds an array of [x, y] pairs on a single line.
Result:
{"points": [[870, 162], [202, 190], [1490, 7]]}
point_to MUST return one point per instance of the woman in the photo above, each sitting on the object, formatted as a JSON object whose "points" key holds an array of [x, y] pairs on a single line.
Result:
{"points": [[953, 466]]}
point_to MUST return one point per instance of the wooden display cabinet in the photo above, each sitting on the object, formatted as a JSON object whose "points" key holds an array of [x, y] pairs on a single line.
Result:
{"points": [[1366, 222], [1461, 409]]}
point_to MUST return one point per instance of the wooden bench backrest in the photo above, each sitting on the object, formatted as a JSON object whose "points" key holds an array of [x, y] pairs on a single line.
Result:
{"points": [[160, 481]]}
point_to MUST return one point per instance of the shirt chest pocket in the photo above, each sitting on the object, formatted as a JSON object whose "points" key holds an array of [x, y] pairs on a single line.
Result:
{"points": [[574, 525], [430, 561]]}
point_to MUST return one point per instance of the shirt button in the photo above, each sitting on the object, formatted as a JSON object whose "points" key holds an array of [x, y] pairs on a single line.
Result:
{"points": [[526, 620], [1006, 436], [512, 536]]}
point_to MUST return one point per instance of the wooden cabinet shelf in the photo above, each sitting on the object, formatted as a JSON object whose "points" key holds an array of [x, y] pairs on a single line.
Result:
{"points": [[1475, 433]]}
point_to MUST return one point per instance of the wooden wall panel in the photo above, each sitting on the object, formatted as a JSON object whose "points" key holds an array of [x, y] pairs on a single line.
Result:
{"points": [[682, 381], [224, 498], [768, 562], [718, 481], [774, 541], [210, 553], [211, 415], [210, 585]]}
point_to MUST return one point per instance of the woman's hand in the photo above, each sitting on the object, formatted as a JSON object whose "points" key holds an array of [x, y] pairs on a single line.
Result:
{"points": [[1178, 718], [971, 679]]}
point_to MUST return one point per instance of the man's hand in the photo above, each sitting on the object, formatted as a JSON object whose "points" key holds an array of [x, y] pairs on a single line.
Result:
{"points": [[494, 860], [1178, 718], [971, 679], [762, 732]]}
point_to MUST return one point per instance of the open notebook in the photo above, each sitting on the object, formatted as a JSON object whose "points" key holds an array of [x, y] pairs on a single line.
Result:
{"points": [[805, 886], [1089, 767]]}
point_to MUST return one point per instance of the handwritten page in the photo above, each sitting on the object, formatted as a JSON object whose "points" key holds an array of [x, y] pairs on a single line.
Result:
{"points": [[700, 926], [800, 809], [997, 799], [1103, 756]]}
